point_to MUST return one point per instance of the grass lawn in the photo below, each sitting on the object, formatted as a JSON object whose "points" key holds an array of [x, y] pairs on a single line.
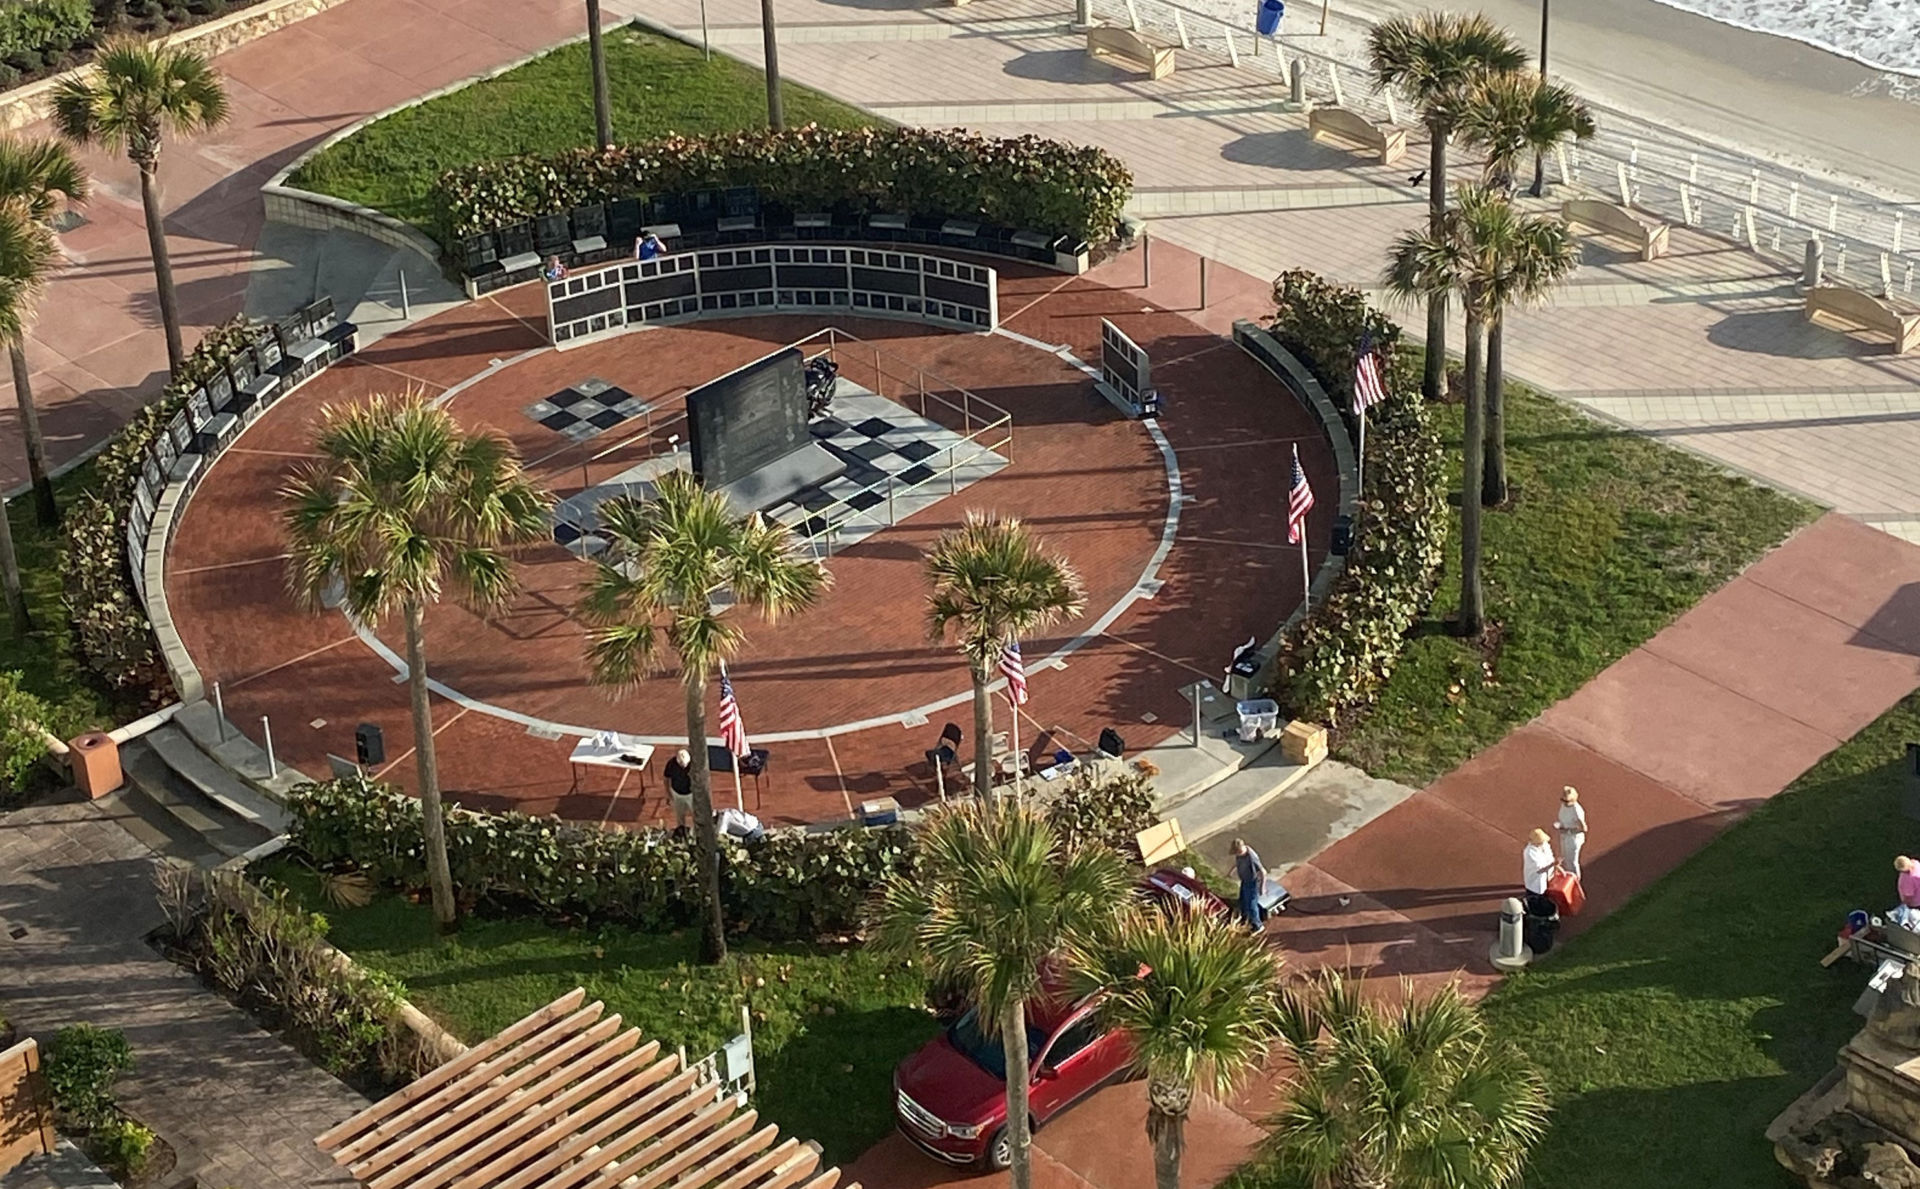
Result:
{"points": [[657, 86], [829, 1025], [1680, 1026], [1609, 537], [46, 657]]}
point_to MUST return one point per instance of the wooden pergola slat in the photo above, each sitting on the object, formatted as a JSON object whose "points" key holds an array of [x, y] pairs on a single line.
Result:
{"points": [[564, 1099]]}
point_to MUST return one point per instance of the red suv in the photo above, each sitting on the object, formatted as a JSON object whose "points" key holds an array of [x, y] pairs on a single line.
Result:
{"points": [[950, 1098]]}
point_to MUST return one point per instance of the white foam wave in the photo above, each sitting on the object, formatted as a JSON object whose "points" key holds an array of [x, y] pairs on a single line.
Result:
{"points": [[1883, 34]]}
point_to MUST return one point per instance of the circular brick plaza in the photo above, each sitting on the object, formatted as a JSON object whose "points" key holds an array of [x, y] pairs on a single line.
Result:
{"points": [[1178, 536]]}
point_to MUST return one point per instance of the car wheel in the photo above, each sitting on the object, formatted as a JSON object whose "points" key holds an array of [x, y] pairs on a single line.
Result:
{"points": [[999, 1154]]}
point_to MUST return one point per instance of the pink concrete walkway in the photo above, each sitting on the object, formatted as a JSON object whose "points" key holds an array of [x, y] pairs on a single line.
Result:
{"points": [[96, 350]]}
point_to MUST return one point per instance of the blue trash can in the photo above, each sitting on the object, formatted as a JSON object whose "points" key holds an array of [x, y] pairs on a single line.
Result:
{"points": [[1268, 21]]}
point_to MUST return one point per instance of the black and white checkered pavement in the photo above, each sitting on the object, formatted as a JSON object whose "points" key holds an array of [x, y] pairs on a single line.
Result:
{"points": [[586, 410]]}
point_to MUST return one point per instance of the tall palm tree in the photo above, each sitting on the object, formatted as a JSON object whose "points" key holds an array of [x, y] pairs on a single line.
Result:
{"points": [[655, 588], [39, 178], [1510, 116], [994, 583], [402, 505], [1413, 1094], [996, 896], [139, 92], [597, 56], [1515, 115], [770, 47], [1536, 254], [1200, 999], [27, 254], [1436, 59], [1426, 265]]}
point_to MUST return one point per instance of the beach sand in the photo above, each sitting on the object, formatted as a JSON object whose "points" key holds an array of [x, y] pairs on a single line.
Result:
{"points": [[1770, 96]]}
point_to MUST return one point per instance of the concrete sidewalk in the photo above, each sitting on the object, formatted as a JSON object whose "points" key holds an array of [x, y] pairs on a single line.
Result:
{"points": [[239, 1106]]}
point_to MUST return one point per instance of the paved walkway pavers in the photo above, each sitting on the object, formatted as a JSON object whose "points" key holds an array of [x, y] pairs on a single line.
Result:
{"points": [[238, 1105]]}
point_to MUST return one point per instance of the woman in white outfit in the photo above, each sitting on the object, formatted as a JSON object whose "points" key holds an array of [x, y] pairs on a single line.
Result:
{"points": [[1573, 829]]}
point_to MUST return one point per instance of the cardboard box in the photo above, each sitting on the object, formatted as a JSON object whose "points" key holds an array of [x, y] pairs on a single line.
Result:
{"points": [[1304, 743]]}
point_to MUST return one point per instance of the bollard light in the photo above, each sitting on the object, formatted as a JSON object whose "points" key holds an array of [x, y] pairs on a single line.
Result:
{"points": [[1509, 951]]}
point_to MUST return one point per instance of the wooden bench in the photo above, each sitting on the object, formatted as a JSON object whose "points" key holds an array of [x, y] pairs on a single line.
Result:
{"points": [[1647, 234], [1129, 48], [1853, 310], [1356, 129]]}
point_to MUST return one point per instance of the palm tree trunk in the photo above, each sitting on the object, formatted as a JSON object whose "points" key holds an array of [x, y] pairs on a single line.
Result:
{"points": [[1474, 447], [1434, 384], [44, 506], [1013, 1039], [1494, 491], [706, 837], [776, 111], [982, 737], [1167, 1105], [162, 264], [433, 819], [597, 53], [10, 577]]}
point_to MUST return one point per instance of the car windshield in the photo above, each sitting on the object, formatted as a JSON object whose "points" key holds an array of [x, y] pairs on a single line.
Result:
{"points": [[984, 1048]]}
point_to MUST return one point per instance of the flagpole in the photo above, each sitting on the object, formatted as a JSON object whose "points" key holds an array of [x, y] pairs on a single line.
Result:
{"points": [[1360, 471], [1306, 575]]}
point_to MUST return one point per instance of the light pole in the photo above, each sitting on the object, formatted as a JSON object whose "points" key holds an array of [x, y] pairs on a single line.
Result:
{"points": [[1539, 158]]}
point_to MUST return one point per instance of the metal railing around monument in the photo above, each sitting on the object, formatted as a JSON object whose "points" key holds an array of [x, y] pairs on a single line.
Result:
{"points": [[980, 428]]}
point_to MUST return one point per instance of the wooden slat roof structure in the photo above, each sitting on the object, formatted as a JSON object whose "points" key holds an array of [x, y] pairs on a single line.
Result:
{"points": [[565, 1099]]}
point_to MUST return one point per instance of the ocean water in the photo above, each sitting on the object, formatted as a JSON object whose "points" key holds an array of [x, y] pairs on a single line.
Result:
{"points": [[1883, 34]]}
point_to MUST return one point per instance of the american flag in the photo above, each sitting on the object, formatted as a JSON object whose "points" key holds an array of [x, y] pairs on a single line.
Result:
{"points": [[733, 732], [1299, 502], [1368, 388], [1016, 673]]}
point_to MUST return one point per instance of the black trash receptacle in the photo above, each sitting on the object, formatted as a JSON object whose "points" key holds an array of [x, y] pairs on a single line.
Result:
{"points": [[1541, 924]]}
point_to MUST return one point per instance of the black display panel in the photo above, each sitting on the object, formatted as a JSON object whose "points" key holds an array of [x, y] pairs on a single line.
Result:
{"points": [[748, 418], [586, 305]]}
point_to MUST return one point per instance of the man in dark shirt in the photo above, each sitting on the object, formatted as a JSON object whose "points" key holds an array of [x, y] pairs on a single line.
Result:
{"points": [[680, 788], [1253, 879]]}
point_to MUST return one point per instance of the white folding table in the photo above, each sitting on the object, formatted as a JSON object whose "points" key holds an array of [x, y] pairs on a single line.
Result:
{"points": [[609, 749]]}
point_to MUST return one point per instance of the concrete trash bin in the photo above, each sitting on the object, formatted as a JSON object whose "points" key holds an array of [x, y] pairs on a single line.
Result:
{"points": [[96, 763]]}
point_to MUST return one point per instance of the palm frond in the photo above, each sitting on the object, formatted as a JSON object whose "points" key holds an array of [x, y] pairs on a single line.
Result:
{"points": [[40, 176], [139, 91], [993, 582], [1436, 58]]}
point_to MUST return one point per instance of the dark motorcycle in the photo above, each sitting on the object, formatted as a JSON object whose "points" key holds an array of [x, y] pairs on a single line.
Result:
{"points": [[823, 379]]}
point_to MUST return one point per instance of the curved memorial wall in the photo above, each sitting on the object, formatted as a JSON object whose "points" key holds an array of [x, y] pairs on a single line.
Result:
{"points": [[766, 279]]}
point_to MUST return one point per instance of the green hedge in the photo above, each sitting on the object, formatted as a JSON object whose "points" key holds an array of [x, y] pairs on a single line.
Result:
{"points": [[1334, 662], [1023, 182], [43, 26], [110, 626], [791, 886]]}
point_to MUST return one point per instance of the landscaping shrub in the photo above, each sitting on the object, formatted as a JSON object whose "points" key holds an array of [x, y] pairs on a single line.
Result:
{"points": [[121, 1145], [31, 28], [260, 947], [22, 746], [787, 887], [110, 626], [1335, 660], [1110, 809], [1024, 182], [82, 1063]]}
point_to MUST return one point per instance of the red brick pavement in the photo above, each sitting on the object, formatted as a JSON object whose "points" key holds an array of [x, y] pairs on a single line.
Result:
{"points": [[1092, 483], [95, 349]]}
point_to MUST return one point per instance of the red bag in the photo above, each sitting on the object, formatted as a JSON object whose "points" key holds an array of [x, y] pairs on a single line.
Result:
{"points": [[1565, 892]]}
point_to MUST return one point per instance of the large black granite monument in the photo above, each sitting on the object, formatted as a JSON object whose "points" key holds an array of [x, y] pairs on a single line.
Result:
{"points": [[748, 431]]}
